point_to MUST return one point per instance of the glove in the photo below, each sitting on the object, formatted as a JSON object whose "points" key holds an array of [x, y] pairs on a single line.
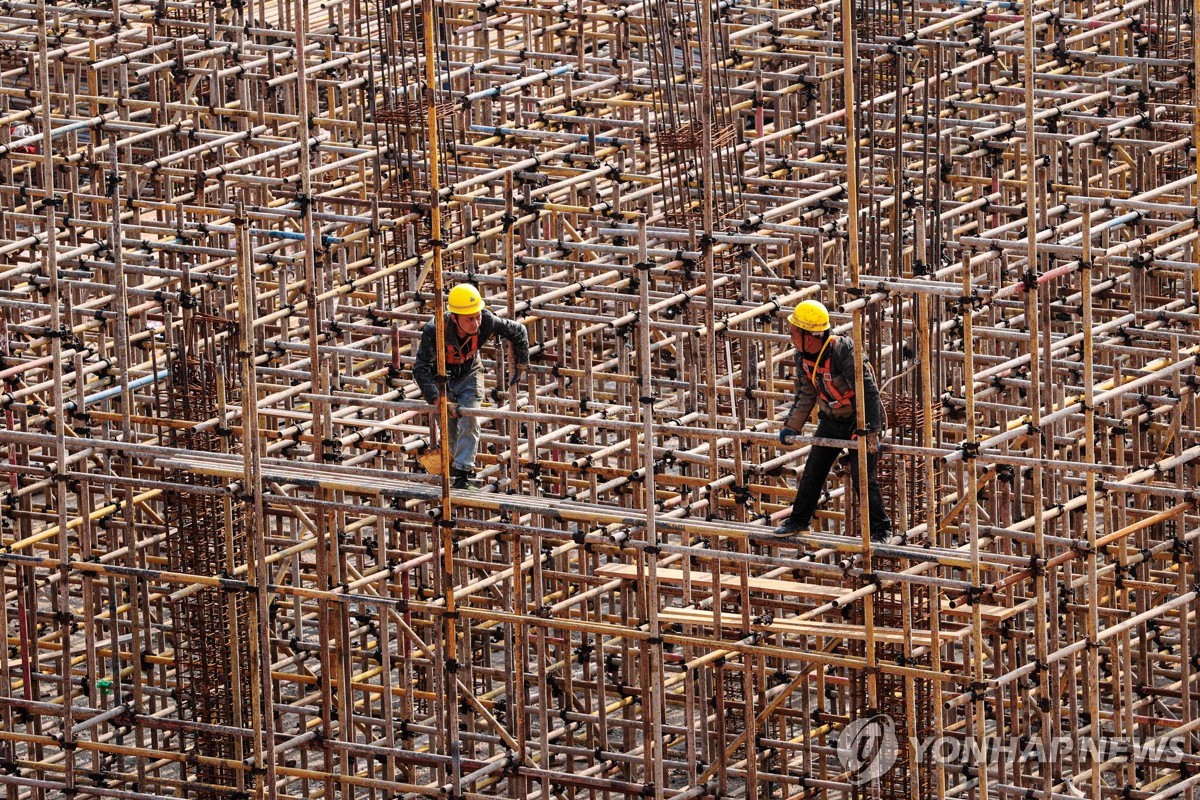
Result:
{"points": [[872, 442], [786, 435], [518, 375]]}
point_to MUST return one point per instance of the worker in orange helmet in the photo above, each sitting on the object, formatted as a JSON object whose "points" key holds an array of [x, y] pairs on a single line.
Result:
{"points": [[827, 379], [469, 326]]}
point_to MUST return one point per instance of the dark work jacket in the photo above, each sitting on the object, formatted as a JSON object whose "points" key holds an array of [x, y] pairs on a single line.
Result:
{"points": [[425, 370], [839, 356]]}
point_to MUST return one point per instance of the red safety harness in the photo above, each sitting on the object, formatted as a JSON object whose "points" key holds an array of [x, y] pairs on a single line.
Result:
{"points": [[464, 351], [825, 386]]}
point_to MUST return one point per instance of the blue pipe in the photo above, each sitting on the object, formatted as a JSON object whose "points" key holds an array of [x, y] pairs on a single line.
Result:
{"points": [[116, 390], [325, 238]]}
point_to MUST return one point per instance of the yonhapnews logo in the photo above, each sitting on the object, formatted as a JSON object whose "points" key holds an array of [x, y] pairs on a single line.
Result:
{"points": [[867, 748]]}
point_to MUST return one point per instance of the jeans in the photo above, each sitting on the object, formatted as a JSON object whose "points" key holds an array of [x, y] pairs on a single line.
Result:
{"points": [[816, 470], [463, 441]]}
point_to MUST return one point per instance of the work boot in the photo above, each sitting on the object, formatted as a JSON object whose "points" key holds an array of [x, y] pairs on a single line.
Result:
{"points": [[790, 527], [463, 479]]}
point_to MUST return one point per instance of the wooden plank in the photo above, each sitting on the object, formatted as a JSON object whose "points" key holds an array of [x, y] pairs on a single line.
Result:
{"points": [[793, 627], [991, 613], [995, 614], [768, 585]]}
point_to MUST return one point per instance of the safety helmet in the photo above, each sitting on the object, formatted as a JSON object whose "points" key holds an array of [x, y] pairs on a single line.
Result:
{"points": [[810, 316], [465, 299]]}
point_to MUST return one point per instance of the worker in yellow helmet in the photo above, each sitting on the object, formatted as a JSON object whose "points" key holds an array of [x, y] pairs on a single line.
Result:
{"points": [[469, 326], [827, 380]]}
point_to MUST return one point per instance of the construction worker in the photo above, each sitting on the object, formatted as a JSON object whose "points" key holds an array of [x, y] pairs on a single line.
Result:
{"points": [[469, 326], [827, 379], [22, 130]]}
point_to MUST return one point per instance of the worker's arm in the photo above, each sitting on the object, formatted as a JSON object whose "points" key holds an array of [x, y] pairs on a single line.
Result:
{"points": [[806, 398], [424, 371], [870, 389], [516, 334]]}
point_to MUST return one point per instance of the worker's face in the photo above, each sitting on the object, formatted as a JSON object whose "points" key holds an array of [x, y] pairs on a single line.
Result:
{"points": [[468, 323], [806, 342]]}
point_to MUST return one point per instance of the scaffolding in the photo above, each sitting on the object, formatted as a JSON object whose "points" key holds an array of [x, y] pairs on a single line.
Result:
{"points": [[224, 224]]}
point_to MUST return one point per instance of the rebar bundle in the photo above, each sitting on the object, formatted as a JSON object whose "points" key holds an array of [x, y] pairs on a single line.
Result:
{"points": [[223, 226], [205, 536]]}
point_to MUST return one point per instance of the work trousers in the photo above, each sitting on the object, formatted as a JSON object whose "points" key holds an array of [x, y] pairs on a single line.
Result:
{"points": [[816, 470], [467, 391]]}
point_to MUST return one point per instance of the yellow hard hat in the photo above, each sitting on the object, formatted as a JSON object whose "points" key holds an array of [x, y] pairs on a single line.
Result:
{"points": [[810, 316], [465, 299]]}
